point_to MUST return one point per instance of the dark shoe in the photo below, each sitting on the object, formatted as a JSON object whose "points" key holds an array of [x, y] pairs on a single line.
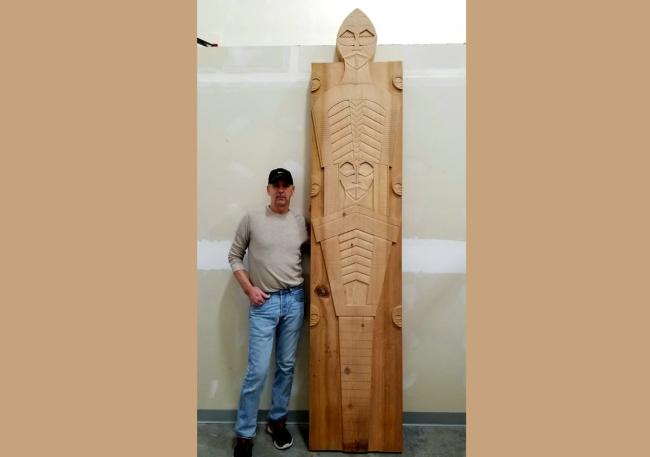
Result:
{"points": [[281, 437], [243, 447]]}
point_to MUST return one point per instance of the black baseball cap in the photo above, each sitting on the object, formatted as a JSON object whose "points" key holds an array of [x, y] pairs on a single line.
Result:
{"points": [[280, 174]]}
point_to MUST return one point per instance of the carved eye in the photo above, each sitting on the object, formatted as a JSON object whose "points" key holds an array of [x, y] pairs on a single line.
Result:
{"points": [[366, 38], [347, 169], [365, 169], [347, 34]]}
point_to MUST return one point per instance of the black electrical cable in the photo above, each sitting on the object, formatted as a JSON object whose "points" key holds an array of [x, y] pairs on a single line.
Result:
{"points": [[205, 43]]}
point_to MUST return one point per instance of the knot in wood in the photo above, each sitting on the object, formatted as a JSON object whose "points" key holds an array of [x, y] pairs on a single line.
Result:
{"points": [[322, 291]]}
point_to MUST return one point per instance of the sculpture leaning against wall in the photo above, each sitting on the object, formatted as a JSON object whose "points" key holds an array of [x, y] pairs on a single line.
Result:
{"points": [[356, 245]]}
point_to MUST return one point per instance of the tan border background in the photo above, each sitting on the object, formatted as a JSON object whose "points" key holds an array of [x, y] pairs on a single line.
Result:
{"points": [[98, 243], [558, 229]]}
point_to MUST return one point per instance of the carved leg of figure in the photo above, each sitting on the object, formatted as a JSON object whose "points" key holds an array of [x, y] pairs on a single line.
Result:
{"points": [[355, 336]]}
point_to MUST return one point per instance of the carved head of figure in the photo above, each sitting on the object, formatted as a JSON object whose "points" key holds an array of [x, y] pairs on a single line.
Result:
{"points": [[356, 177], [357, 39]]}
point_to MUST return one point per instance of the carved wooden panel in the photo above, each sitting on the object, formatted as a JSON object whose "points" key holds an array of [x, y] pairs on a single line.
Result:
{"points": [[356, 250]]}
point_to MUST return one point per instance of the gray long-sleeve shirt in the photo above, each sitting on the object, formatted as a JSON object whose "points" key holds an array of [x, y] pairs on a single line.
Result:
{"points": [[274, 248]]}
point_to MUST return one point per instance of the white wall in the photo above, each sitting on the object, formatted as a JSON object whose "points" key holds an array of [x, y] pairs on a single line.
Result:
{"points": [[253, 115], [315, 22]]}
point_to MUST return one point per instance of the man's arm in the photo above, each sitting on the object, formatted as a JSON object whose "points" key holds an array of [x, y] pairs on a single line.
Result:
{"points": [[254, 293], [305, 247], [236, 258]]}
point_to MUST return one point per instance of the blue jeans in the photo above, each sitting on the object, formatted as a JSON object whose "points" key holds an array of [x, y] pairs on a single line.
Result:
{"points": [[280, 315]]}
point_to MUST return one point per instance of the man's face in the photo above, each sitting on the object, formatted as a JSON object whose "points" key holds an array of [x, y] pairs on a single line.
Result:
{"points": [[280, 193]]}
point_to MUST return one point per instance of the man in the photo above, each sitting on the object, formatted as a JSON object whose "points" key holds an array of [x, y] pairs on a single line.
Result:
{"points": [[273, 283]]}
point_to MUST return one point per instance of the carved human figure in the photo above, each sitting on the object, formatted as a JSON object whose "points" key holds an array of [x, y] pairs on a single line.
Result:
{"points": [[352, 127]]}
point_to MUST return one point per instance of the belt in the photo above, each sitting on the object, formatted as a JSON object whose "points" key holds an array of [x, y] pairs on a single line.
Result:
{"points": [[288, 290]]}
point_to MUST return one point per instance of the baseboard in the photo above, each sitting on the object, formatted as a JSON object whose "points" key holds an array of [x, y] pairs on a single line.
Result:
{"points": [[302, 417]]}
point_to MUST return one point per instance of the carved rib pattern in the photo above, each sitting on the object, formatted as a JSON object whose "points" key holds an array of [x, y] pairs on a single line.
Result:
{"points": [[356, 126], [356, 249]]}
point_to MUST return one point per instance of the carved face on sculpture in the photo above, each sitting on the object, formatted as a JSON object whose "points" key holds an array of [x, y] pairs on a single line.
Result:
{"points": [[357, 40], [356, 177]]}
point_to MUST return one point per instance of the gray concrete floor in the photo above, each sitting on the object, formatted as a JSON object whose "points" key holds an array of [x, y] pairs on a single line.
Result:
{"points": [[215, 440]]}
